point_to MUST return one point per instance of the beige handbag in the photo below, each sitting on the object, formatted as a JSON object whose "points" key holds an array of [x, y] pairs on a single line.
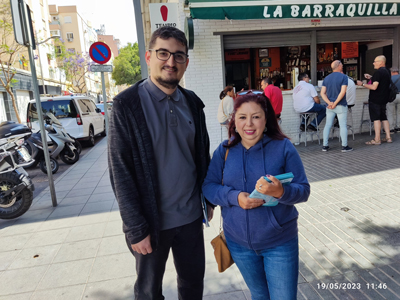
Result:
{"points": [[221, 251]]}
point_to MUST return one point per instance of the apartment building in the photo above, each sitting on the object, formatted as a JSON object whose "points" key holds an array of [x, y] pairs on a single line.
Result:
{"points": [[77, 35]]}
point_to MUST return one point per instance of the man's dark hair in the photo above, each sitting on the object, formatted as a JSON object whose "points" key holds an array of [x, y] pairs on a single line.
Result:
{"points": [[267, 80], [167, 32], [302, 76]]}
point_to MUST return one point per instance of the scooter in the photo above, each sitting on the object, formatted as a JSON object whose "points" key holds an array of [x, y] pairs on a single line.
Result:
{"points": [[16, 187], [62, 145]]}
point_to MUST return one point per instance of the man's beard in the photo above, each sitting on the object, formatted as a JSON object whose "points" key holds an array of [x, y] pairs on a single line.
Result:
{"points": [[169, 84]]}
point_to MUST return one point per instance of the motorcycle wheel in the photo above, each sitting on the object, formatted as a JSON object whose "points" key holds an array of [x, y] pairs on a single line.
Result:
{"points": [[66, 157], [14, 206], [78, 146], [54, 165]]}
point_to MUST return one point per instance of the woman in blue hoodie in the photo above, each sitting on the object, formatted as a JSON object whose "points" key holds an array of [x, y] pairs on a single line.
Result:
{"points": [[263, 240]]}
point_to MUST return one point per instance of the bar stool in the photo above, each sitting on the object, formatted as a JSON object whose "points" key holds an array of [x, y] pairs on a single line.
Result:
{"points": [[349, 127], [307, 117], [368, 121]]}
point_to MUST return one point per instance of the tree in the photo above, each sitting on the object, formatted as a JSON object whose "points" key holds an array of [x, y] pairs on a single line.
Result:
{"points": [[9, 52], [76, 67], [127, 65]]}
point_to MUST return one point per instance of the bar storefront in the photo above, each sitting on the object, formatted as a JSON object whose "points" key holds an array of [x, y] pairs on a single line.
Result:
{"points": [[280, 39]]}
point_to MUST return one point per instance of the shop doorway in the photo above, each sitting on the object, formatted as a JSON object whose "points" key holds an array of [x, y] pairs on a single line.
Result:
{"points": [[238, 75]]}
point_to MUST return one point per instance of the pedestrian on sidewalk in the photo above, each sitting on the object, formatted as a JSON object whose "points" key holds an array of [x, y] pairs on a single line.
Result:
{"points": [[274, 94], [262, 240], [158, 154], [333, 92], [377, 100]]}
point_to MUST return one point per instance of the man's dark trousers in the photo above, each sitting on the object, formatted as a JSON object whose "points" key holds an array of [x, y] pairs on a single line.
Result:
{"points": [[187, 243]]}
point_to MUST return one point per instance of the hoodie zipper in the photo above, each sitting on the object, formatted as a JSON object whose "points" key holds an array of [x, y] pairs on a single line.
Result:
{"points": [[246, 153]]}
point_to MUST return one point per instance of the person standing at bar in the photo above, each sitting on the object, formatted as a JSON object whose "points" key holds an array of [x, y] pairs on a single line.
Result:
{"points": [[274, 94], [377, 100], [393, 108], [333, 92]]}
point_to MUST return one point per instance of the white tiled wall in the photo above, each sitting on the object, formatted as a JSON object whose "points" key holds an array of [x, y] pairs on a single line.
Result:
{"points": [[205, 74]]}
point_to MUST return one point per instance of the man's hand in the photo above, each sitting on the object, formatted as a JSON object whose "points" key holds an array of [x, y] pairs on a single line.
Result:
{"points": [[143, 247], [330, 105], [210, 213], [248, 203], [359, 83], [367, 76]]}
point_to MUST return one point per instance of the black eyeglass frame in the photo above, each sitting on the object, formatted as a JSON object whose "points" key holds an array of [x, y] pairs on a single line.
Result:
{"points": [[171, 53]]}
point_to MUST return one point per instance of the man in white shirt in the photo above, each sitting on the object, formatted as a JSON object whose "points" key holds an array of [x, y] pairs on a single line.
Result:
{"points": [[305, 99]]}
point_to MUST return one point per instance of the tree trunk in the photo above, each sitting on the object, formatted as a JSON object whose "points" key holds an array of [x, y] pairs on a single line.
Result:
{"points": [[14, 102]]}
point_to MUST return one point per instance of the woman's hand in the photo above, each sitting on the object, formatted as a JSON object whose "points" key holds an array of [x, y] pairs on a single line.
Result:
{"points": [[248, 203], [274, 189]]}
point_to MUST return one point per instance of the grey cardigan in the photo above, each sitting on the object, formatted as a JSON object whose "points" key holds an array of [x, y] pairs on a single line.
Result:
{"points": [[132, 164]]}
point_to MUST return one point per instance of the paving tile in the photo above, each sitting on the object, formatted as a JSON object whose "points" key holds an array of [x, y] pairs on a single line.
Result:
{"points": [[86, 232], [12, 281], [49, 237], [66, 274], [366, 287], [77, 250], [113, 245], [10, 243], [37, 256], [102, 197], [121, 288], [227, 296], [63, 293], [112, 267], [92, 218], [308, 292], [95, 207], [7, 258], [57, 223], [80, 192], [22, 296]]}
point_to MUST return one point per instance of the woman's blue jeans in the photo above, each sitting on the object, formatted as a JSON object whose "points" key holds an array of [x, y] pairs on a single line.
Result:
{"points": [[270, 273]]}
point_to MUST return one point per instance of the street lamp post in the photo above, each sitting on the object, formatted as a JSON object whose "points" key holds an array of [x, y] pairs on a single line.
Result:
{"points": [[40, 60]]}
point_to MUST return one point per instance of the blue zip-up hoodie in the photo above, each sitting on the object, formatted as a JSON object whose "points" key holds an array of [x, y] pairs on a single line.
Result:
{"points": [[263, 227]]}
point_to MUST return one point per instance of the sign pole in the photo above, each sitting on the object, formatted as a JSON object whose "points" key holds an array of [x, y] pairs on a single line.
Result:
{"points": [[39, 108], [103, 84]]}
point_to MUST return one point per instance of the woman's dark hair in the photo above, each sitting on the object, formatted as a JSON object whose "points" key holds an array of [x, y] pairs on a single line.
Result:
{"points": [[274, 131], [167, 32], [225, 92]]}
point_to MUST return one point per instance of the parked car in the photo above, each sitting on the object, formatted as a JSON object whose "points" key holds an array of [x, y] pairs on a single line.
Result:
{"points": [[78, 115], [101, 106]]}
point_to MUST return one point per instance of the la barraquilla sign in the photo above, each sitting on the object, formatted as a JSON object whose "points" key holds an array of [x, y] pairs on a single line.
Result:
{"points": [[337, 10]]}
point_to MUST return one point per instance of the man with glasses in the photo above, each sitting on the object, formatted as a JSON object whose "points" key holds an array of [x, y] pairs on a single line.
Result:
{"points": [[158, 153], [377, 100], [305, 99]]}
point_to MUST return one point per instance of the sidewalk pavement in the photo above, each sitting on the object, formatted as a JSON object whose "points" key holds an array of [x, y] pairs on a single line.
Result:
{"points": [[349, 233]]}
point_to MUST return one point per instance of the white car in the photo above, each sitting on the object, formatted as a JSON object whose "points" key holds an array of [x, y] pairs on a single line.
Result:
{"points": [[78, 114]]}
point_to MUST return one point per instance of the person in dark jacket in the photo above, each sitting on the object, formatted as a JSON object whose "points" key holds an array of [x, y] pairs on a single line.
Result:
{"points": [[263, 240], [158, 154]]}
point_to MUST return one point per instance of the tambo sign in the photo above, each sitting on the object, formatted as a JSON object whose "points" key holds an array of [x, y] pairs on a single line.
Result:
{"points": [[163, 14]]}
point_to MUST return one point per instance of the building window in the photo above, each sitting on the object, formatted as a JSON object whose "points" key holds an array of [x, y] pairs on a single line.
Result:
{"points": [[67, 19], [70, 36], [55, 32], [58, 49]]}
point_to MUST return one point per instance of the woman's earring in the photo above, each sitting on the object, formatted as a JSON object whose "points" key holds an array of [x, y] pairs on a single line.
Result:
{"points": [[235, 130], [265, 129]]}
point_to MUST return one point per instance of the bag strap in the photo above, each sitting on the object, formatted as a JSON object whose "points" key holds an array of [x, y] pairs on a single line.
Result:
{"points": [[222, 181], [397, 80]]}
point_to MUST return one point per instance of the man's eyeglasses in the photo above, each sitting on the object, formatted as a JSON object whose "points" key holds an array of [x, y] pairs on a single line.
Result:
{"points": [[164, 55]]}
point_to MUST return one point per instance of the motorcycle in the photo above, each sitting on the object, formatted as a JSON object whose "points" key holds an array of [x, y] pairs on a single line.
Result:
{"points": [[16, 187], [62, 144]]}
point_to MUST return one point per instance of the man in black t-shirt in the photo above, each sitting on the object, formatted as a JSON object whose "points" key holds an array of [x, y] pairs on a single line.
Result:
{"points": [[378, 98]]}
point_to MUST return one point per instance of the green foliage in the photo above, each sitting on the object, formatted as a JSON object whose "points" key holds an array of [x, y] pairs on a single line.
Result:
{"points": [[127, 65]]}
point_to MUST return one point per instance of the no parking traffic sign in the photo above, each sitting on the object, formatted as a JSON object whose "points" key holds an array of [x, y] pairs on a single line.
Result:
{"points": [[100, 52]]}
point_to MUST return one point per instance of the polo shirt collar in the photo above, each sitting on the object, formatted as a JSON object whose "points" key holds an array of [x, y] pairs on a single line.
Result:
{"points": [[158, 94]]}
